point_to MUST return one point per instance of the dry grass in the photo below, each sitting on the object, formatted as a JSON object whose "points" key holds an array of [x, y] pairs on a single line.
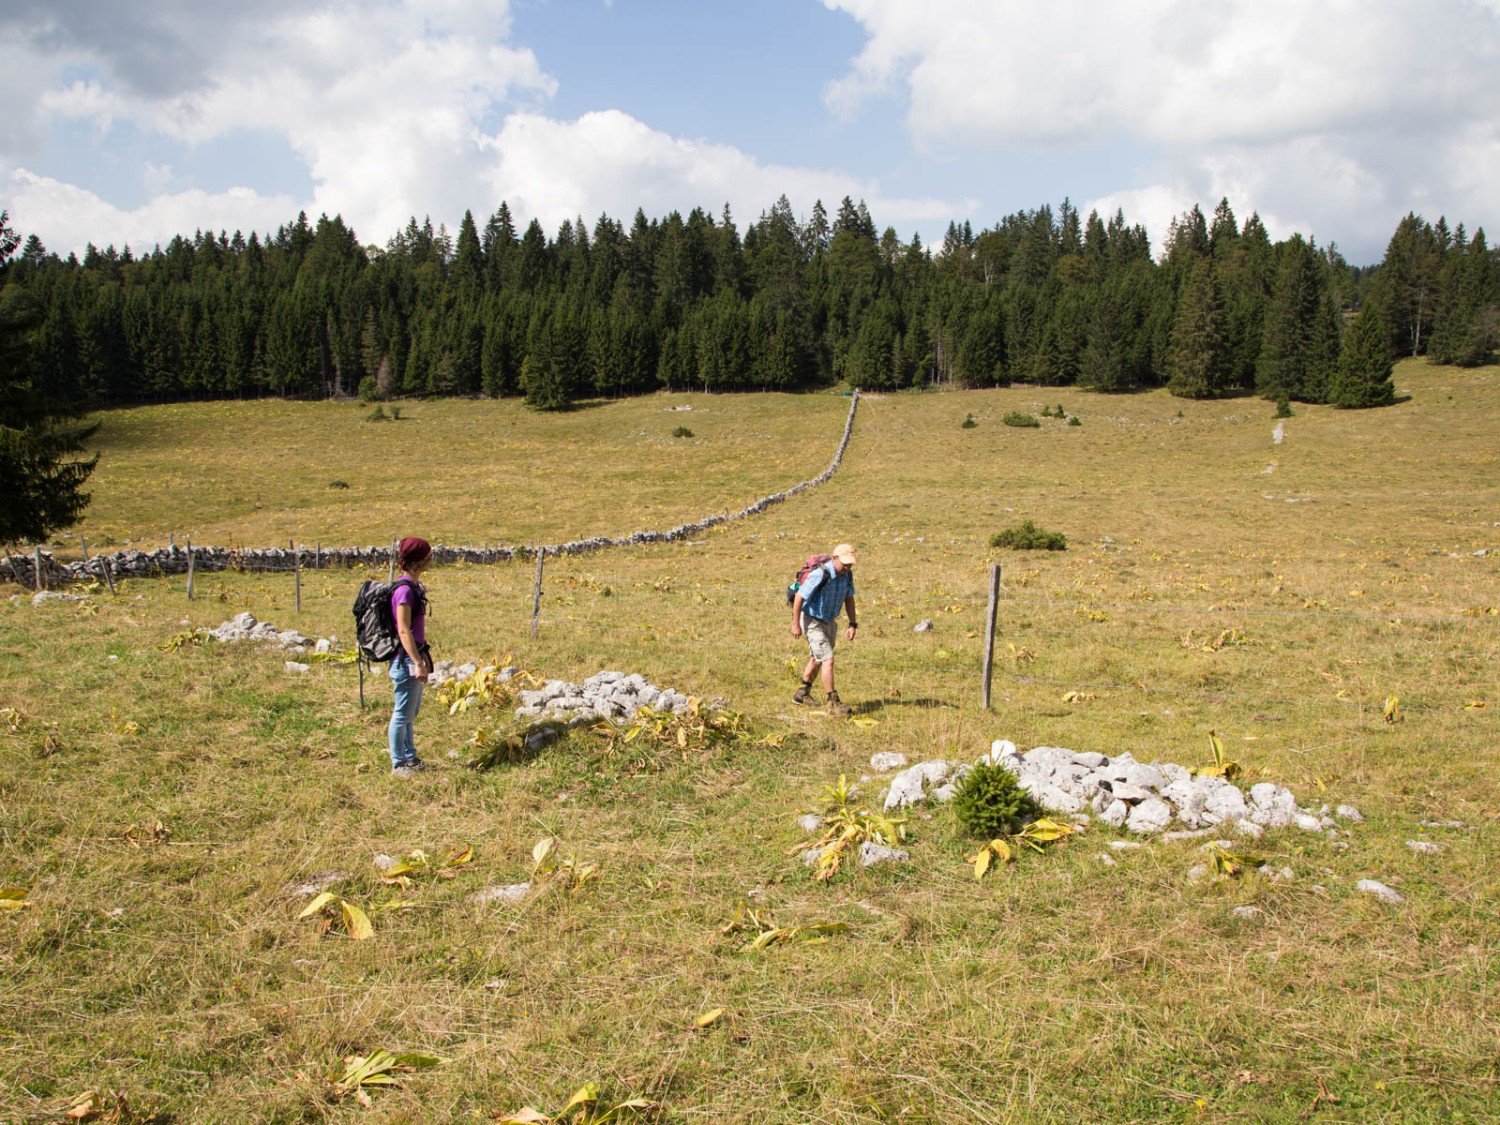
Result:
{"points": [[1059, 989]]}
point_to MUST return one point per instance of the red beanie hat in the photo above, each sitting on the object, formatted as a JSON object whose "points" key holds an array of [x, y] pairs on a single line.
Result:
{"points": [[412, 550]]}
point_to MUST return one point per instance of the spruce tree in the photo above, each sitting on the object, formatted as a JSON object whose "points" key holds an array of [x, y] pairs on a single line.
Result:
{"points": [[1363, 375], [1198, 355], [39, 446]]}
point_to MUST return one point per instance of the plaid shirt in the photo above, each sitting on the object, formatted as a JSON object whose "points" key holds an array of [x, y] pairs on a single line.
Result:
{"points": [[824, 592]]}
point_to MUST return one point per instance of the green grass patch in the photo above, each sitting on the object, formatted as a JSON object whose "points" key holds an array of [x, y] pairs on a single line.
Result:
{"points": [[1278, 595]]}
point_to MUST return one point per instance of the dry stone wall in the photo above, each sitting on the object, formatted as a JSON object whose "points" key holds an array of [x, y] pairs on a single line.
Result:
{"points": [[174, 560]]}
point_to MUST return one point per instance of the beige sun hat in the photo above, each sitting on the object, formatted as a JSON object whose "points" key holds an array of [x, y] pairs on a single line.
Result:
{"points": [[844, 553]]}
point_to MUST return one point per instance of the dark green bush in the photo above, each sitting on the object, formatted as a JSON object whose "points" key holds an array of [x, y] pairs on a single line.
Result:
{"points": [[377, 415], [968, 422], [682, 431], [990, 803], [1016, 418], [338, 484], [368, 390], [1074, 421], [1028, 537]]}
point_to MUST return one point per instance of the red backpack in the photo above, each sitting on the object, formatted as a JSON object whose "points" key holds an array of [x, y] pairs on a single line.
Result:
{"points": [[812, 564]]}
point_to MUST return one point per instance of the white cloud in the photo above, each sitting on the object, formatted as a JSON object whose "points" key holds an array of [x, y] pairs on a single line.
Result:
{"points": [[608, 162], [1335, 116], [67, 217]]}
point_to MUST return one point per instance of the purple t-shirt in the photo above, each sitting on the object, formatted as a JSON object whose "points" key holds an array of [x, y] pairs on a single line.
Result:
{"points": [[404, 594]]}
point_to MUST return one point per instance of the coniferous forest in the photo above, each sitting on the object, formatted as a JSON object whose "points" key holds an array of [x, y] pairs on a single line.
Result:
{"points": [[1045, 297]]}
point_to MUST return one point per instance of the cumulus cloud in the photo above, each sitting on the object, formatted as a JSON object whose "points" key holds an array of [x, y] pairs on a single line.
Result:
{"points": [[608, 162], [397, 109], [384, 103], [67, 217], [1337, 115]]}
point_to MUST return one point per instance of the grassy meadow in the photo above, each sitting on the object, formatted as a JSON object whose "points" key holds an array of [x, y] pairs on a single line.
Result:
{"points": [[1278, 594]]}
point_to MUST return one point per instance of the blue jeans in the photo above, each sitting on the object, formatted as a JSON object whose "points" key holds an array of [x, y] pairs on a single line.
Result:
{"points": [[408, 701]]}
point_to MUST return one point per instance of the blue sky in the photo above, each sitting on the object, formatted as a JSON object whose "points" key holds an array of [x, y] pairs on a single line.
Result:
{"points": [[128, 121]]}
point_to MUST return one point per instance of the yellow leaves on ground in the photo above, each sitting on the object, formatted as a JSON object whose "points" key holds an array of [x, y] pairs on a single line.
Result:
{"points": [[1393, 712], [1037, 836], [417, 863], [379, 1068], [336, 914], [766, 932], [584, 1108], [138, 837], [572, 873], [709, 1018], [13, 898]]}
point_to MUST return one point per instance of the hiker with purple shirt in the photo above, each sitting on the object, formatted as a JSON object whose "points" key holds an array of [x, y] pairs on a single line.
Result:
{"points": [[413, 664]]}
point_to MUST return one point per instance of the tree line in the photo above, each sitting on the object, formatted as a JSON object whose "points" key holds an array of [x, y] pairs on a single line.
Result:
{"points": [[1046, 297]]}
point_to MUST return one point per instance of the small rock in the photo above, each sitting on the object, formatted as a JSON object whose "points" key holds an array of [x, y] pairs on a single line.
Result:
{"points": [[317, 884], [922, 627], [294, 666], [1197, 872], [1308, 823], [323, 647], [887, 760], [1125, 845], [1107, 859], [1246, 912], [384, 862], [1197, 834], [53, 596], [1443, 824], [1379, 890], [871, 854], [1249, 829], [1426, 847], [909, 786], [514, 893], [1151, 815], [809, 822]]}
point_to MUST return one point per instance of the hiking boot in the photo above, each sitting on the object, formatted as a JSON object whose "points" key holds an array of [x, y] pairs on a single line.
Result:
{"points": [[837, 707], [411, 768], [804, 693]]}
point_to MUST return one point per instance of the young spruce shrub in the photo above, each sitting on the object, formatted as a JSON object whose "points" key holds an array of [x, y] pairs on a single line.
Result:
{"points": [[1024, 421], [1026, 536], [990, 803]]}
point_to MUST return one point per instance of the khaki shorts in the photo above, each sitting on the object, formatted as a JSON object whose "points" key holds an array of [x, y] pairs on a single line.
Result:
{"points": [[821, 636]]}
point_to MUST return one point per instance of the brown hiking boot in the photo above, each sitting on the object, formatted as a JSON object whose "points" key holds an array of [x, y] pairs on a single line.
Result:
{"points": [[837, 707], [804, 694]]}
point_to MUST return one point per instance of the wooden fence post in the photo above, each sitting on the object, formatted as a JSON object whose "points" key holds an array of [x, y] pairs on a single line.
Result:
{"points": [[536, 591], [41, 583], [392, 576], [297, 570], [190, 567], [989, 632]]}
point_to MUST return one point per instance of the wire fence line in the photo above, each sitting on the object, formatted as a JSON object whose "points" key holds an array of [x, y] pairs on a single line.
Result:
{"points": [[922, 663], [41, 569]]}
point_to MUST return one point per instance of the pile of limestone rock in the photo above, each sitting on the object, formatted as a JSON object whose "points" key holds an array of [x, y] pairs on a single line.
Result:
{"points": [[244, 627], [604, 695], [1121, 792]]}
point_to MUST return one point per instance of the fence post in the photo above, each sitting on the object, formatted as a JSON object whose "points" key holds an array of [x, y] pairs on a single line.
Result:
{"points": [[37, 559], [989, 632], [190, 567], [297, 570], [392, 576], [536, 591], [318, 556]]}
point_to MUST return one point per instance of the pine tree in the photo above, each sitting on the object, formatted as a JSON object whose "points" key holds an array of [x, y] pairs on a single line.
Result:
{"points": [[1295, 347], [1363, 375], [44, 477], [1198, 356]]}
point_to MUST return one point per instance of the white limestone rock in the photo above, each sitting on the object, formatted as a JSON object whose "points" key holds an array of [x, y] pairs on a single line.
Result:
{"points": [[1379, 890]]}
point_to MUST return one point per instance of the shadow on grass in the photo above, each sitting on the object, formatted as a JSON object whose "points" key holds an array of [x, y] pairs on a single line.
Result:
{"points": [[870, 707]]}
